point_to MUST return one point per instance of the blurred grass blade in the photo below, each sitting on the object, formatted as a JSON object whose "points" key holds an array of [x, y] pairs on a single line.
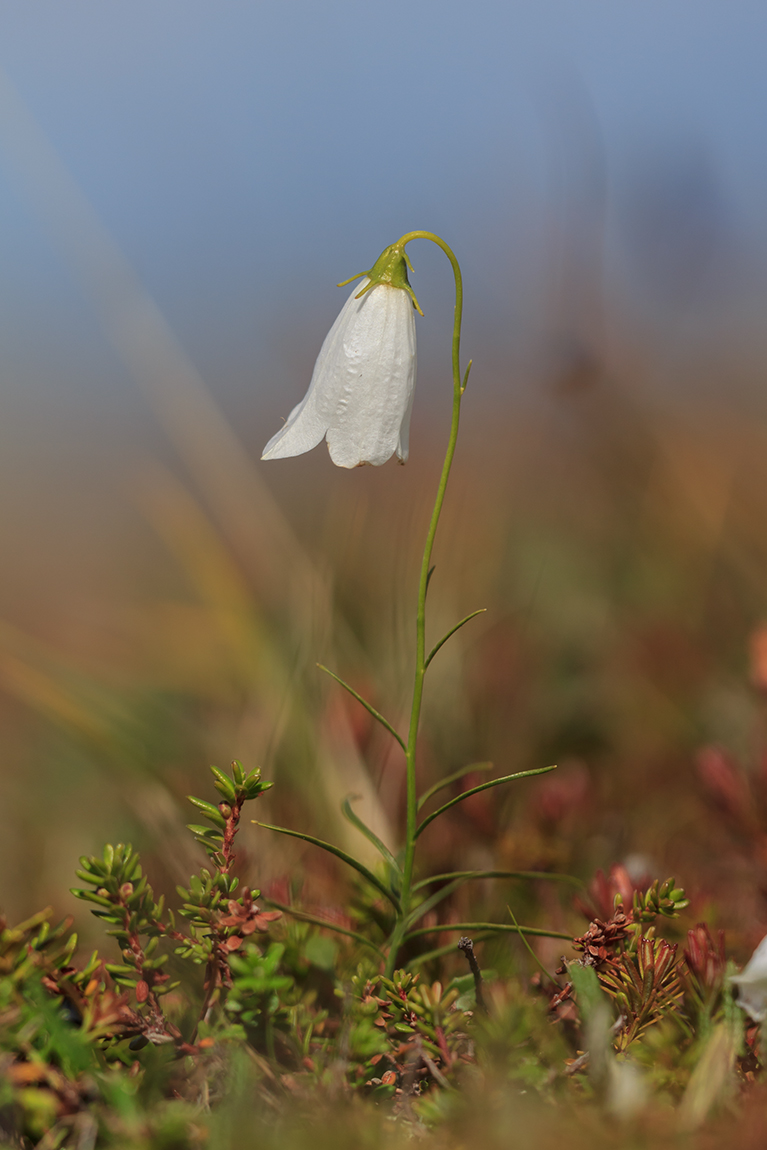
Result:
{"points": [[42, 680], [342, 855], [482, 787], [451, 632], [456, 775], [713, 1078], [371, 836], [368, 707]]}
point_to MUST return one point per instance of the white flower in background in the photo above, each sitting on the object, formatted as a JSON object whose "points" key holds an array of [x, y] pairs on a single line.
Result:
{"points": [[752, 984], [361, 391]]}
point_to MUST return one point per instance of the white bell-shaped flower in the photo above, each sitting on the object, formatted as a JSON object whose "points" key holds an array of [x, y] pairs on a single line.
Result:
{"points": [[752, 984], [361, 392]]}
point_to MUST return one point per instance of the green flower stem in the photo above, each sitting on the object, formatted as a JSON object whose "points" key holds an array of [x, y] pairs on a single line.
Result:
{"points": [[421, 661]]}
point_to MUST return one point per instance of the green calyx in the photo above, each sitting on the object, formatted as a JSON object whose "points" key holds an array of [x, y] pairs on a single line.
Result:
{"points": [[390, 269]]}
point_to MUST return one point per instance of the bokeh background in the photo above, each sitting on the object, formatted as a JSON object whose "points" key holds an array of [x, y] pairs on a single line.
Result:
{"points": [[181, 187]]}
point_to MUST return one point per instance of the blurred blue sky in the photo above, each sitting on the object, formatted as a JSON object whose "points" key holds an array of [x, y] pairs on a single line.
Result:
{"points": [[245, 156]]}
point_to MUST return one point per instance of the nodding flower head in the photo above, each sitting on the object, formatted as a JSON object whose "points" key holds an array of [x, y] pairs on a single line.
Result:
{"points": [[361, 392]]}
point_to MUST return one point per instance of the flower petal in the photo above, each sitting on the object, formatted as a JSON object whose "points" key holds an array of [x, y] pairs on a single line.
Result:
{"points": [[309, 420], [752, 984], [403, 444], [361, 392], [378, 377]]}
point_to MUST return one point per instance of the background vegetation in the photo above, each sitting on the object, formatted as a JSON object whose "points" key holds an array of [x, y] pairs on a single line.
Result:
{"points": [[165, 599]]}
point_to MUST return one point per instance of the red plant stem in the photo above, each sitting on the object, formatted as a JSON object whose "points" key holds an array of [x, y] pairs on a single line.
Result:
{"points": [[217, 967]]}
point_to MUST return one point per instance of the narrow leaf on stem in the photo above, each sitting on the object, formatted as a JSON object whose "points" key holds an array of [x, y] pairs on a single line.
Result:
{"points": [[210, 812], [451, 632], [465, 875], [224, 785], [368, 706], [342, 855], [482, 787], [499, 927], [370, 835], [456, 775]]}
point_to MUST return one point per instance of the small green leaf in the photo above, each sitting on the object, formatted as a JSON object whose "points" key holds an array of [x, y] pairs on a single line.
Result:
{"points": [[224, 785], [205, 832], [256, 788], [86, 876], [210, 812], [91, 896]]}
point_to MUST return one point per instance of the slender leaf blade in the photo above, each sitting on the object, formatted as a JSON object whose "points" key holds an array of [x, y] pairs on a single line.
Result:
{"points": [[451, 632], [466, 875], [368, 706], [342, 855], [370, 835], [456, 775], [493, 927], [482, 787], [458, 878]]}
